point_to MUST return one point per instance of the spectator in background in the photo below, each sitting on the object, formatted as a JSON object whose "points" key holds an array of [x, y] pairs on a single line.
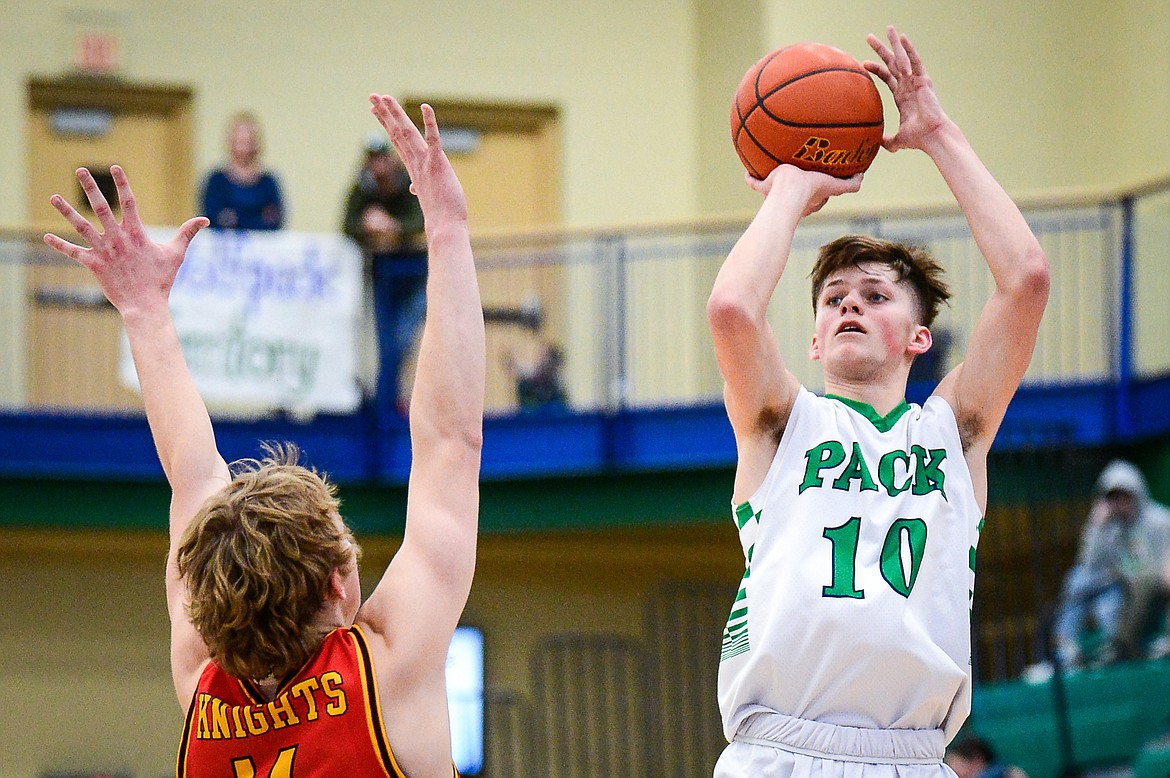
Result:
{"points": [[1145, 608], [538, 382], [973, 757], [1118, 573], [1160, 646], [242, 195], [384, 218]]}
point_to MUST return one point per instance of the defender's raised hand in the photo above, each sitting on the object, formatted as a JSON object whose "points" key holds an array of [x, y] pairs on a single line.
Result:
{"points": [[431, 177], [132, 269], [920, 113]]}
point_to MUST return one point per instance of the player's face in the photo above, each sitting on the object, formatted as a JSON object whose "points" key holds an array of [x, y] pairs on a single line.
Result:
{"points": [[866, 323]]}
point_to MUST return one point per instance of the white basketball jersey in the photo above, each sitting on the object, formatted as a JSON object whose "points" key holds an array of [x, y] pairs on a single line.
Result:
{"points": [[854, 608]]}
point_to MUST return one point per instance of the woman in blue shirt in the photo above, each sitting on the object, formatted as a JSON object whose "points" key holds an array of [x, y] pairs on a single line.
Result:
{"points": [[242, 195]]}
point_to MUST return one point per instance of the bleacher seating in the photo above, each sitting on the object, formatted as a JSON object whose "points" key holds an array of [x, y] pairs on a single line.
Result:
{"points": [[1110, 715]]}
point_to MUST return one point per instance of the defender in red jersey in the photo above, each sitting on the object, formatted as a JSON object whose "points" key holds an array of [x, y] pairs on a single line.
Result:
{"points": [[281, 669], [327, 714]]}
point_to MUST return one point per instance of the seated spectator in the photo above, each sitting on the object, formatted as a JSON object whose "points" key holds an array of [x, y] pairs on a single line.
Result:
{"points": [[242, 195], [973, 757], [1118, 574], [538, 382], [1160, 646]]}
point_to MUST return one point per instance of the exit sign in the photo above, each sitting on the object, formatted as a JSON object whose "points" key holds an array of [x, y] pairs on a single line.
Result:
{"points": [[96, 52]]}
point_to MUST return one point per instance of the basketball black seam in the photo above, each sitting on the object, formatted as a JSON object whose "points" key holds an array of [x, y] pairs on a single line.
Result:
{"points": [[761, 98], [806, 74], [744, 128], [743, 121], [805, 125]]}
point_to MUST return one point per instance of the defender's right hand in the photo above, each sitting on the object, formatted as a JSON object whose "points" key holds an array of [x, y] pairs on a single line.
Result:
{"points": [[132, 270]]}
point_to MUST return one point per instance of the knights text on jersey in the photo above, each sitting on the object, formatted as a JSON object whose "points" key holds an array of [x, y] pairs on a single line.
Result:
{"points": [[324, 722], [854, 608]]}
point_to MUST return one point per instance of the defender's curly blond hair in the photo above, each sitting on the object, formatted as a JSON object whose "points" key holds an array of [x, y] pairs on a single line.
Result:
{"points": [[256, 560], [911, 264]]}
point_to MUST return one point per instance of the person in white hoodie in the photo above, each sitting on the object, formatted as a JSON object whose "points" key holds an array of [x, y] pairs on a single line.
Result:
{"points": [[1119, 574]]}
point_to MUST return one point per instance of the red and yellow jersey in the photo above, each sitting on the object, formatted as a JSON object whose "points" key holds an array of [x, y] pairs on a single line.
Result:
{"points": [[324, 722]]}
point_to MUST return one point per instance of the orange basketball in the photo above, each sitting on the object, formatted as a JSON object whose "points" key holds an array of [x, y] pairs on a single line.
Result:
{"points": [[808, 105]]}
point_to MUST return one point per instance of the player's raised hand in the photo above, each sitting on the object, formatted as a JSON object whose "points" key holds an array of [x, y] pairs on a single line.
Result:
{"points": [[431, 177], [131, 269], [920, 113], [814, 189]]}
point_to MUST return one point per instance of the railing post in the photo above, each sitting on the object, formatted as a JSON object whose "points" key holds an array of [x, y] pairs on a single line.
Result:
{"points": [[613, 251], [1123, 422]]}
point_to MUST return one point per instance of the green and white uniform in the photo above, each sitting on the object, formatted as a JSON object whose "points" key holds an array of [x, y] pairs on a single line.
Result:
{"points": [[850, 637]]}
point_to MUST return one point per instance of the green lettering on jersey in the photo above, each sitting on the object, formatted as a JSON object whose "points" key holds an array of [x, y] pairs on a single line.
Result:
{"points": [[887, 472], [928, 474], [892, 566], [820, 457], [844, 540], [856, 470]]}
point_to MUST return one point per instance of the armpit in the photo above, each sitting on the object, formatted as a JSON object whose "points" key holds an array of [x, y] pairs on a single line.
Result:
{"points": [[971, 427], [772, 422]]}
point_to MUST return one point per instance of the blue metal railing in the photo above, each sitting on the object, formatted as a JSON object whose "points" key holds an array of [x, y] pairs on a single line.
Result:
{"points": [[628, 309]]}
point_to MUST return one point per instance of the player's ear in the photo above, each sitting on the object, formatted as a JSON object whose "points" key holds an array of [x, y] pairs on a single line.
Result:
{"points": [[336, 586], [921, 341], [814, 349]]}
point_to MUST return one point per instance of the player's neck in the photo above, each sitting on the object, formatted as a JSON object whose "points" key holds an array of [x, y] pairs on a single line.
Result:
{"points": [[268, 687], [883, 397]]}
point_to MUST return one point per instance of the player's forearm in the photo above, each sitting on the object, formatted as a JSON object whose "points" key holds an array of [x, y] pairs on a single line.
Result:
{"points": [[177, 416], [1000, 230], [749, 275], [448, 395]]}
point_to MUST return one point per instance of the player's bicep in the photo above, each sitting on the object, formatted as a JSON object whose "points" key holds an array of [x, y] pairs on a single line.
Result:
{"points": [[189, 653], [757, 385], [421, 596], [189, 656]]}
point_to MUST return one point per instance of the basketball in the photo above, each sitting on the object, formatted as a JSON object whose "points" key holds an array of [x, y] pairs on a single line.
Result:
{"points": [[808, 105]]}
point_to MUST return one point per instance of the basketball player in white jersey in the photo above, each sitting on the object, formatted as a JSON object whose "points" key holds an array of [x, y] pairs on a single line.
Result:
{"points": [[848, 648]]}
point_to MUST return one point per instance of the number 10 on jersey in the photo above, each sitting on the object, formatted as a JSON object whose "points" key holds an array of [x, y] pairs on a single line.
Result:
{"points": [[903, 534]]}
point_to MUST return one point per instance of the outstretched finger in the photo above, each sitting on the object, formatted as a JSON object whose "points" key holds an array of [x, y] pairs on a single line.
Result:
{"points": [[188, 231], [62, 246], [881, 49], [126, 199], [76, 220], [400, 129], [97, 200], [880, 70], [901, 62], [916, 66], [431, 127]]}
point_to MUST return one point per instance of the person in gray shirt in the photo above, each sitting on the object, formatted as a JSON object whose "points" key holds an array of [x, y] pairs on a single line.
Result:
{"points": [[1118, 576]]}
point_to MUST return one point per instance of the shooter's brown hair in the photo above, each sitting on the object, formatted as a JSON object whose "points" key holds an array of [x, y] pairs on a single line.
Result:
{"points": [[911, 264]]}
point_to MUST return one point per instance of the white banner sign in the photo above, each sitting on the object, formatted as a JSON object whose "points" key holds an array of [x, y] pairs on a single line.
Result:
{"points": [[268, 320]]}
